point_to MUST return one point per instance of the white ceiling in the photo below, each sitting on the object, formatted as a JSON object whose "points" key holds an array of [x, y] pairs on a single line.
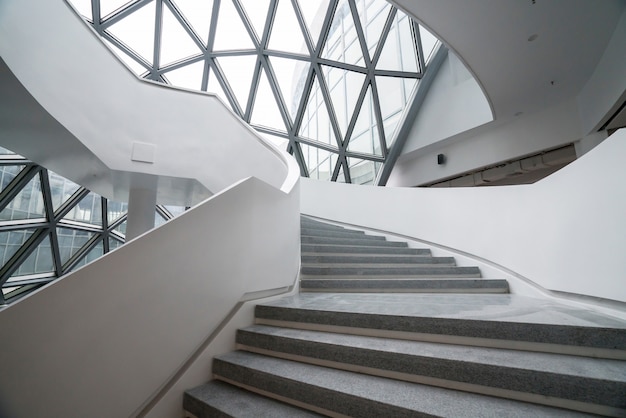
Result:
{"points": [[517, 75]]}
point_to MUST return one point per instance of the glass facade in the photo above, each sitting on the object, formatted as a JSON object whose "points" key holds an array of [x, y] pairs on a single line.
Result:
{"points": [[326, 79], [50, 225]]}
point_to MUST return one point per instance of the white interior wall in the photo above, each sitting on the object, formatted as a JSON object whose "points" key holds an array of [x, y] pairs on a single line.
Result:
{"points": [[566, 232], [103, 340]]}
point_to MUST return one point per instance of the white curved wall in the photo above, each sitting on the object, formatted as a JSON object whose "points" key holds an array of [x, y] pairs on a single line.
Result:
{"points": [[102, 341], [566, 232]]}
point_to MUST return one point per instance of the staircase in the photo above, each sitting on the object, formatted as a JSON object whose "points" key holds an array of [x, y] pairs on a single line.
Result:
{"points": [[383, 330]]}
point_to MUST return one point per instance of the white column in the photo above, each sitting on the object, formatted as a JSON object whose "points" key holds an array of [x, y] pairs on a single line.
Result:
{"points": [[141, 208]]}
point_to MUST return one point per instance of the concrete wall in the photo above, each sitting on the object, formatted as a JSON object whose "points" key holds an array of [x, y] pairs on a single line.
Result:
{"points": [[105, 340], [566, 232]]}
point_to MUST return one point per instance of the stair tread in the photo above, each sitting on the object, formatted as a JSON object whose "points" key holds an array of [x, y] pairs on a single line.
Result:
{"points": [[342, 259], [402, 284], [354, 392], [233, 401], [361, 250], [561, 364], [391, 271]]}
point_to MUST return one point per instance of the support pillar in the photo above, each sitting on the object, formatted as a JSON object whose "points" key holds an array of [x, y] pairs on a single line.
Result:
{"points": [[141, 208]]}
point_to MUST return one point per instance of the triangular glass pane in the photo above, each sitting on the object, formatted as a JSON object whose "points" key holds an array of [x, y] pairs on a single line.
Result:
{"points": [[256, 10], [344, 87], [189, 76], [265, 111], [61, 189], [93, 254], [238, 71], [198, 14], [4, 151], [215, 87], [291, 76], [231, 33], [176, 43], [137, 31], [314, 13], [114, 243], [365, 138], [39, 261], [392, 103], [286, 33], [135, 67], [88, 210], [11, 241], [363, 171], [429, 43], [342, 43], [316, 121], [83, 7], [71, 241], [320, 163], [373, 16], [175, 210], [8, 173], [28, 204], [158, 219], [398, 51], [115, 210]]}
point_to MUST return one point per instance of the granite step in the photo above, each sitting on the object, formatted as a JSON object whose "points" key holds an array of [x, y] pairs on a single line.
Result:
{"points": [[220, 399], [309, 223], [388, 271], [375, 259], [572, 382], [330, 391], [372, 241], [339, 233], [309, 249], [375, 285], [497, 321]]}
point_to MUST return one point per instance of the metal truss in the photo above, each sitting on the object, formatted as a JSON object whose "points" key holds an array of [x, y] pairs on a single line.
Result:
{"points": [[399, 34], [44, 232]]}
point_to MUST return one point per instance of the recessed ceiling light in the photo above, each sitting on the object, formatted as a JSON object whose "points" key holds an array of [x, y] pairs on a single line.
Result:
{"points": [[532, 37]]}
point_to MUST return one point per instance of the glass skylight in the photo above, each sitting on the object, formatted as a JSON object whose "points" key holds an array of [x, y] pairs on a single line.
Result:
{"points": [[328, 79]]}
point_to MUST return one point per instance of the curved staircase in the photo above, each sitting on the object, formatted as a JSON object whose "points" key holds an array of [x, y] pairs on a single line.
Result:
{"points": [[383, 330]]}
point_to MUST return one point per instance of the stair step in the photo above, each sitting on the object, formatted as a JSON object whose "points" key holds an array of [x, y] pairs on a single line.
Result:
{"points": [[308, 223], [339, 233], [216, 398], [348, 249], [358, 395], [390, 271], [501, 321], [405, 285], [580, 383], [372, 241], [375, 259]]}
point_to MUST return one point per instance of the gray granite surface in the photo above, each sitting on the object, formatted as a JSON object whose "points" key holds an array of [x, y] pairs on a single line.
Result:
{"points": [[423, 285], [349, 249]]}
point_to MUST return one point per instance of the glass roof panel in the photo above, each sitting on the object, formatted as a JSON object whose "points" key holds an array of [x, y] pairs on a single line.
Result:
{"points": [[363, 171], [11, 241], [321, 163], [265, 111], [256, 10], [231, 33], [238, 71], [71, 241], [189, 76], [397, 92], [39, 261], [290, 75], [429, 43], [313, 13], [61, 189], [114, 243], [176, 43], [286, 33], [94, 253], [373, 15], [8, 173], [344, 87], [215, 87], [27, 204], [343, 44], [198, 14], [88, 210], [108, 6], [137, 31], [398, 51], [316, 121], [365, 138]]}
